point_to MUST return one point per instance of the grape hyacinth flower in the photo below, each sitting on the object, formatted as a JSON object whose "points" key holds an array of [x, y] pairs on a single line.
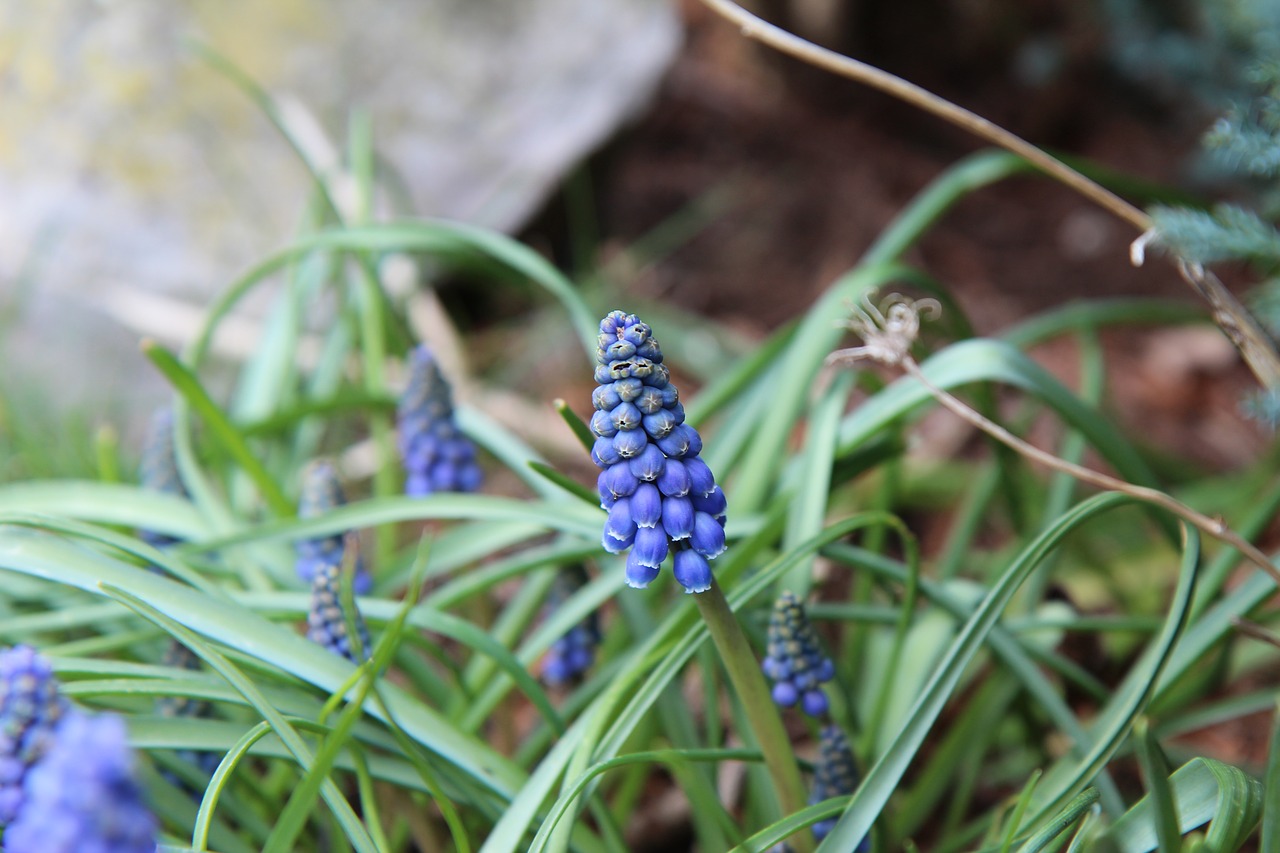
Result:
{"points": [[83, 796], [322, 492], [159, 469], [835, 775], [571, 655], [327, 621], [795, 662], [437, 456], [30, 708], [661, 497]]}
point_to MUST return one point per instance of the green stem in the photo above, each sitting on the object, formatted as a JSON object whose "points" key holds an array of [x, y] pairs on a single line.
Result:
{"points": [[757, 704]]}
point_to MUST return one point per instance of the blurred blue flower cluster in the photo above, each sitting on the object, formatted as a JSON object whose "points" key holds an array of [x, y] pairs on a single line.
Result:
{"points": [[573, 653], [321, 493], [437, 456], [327, 620], [30, 708], [796, 662], [67, 781], [82, 796], [835, 775], [661, 496]]}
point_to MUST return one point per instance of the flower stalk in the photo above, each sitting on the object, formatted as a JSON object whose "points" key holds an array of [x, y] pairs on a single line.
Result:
{"points": [[757, 703]]}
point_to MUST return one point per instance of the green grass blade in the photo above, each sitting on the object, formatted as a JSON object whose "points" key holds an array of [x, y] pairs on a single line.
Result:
{"points": [[1116, 719], [238, 628], [566, 517], [1206, 791], [885, 776], [105, 503], [449, 241], [576, 425], [351, 824], [220, 426], [1269, 841], [297, 811], [809, 504], [1079, 806], [1155, 771]]}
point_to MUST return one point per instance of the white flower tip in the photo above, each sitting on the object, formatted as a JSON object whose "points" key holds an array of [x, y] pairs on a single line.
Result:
{"points": [[1138, 248]]}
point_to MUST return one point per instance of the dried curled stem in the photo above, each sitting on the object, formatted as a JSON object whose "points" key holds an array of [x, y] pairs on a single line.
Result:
{"points": [[892, 346], [1235, 320], [753, 27]]}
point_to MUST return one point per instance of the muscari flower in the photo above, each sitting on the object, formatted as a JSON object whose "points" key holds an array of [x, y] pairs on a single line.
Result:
{"points": [[571, 655], [82, 796], [322, 492], [661, 497], [835, 775], [30, 708], [327, 621], [437, 456], [159, 469], [795, 661]]}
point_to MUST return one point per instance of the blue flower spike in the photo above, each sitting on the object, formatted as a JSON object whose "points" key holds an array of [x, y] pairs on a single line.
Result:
{"points": [[30, 709], [795, 661], [835, 775], [322, 493], [327, 620], [572, 655], [661, 497], [437, 456], [83, 794], [158, 471]]}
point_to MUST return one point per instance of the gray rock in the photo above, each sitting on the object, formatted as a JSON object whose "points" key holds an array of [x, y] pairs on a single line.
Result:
{"points": [[130, 170]]}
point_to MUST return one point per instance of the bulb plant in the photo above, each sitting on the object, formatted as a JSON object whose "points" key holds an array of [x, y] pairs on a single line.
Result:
{"points": [[517, 676]]}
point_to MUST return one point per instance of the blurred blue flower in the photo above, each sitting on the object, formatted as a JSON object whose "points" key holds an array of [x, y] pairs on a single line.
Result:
{"points": [[795, 661], [661, 497], [327, 621], [82, 796], [572, 654], [835, 775], [321, 493], [437, 456], [159, 469], [30, 708]]}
